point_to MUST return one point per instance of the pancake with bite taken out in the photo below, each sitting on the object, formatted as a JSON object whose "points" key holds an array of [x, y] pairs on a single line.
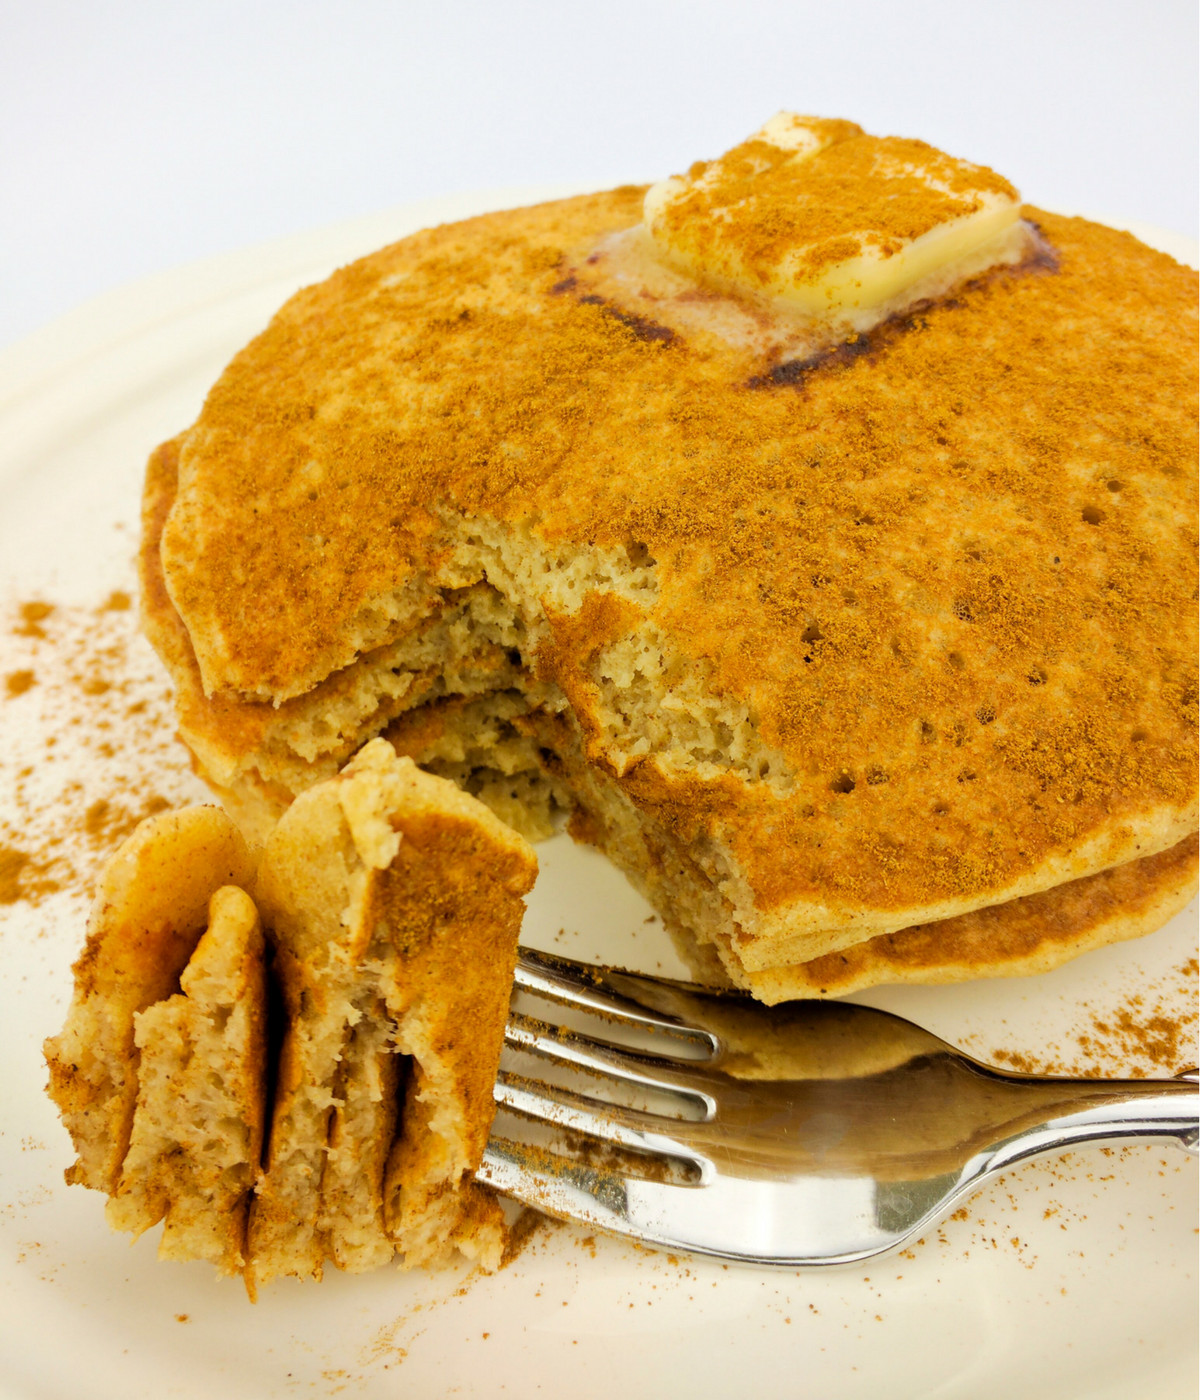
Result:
{"points": [[822, 638]]}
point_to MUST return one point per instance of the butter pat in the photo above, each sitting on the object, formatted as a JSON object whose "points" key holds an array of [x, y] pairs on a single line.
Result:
{"points": [[830, 223]]}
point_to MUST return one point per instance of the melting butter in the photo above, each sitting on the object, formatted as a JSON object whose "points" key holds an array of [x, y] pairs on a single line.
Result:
{"points": [[829, 223]]}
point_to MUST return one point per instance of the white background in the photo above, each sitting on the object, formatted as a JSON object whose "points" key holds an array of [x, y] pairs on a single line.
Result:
{"points": [[140, 134]]}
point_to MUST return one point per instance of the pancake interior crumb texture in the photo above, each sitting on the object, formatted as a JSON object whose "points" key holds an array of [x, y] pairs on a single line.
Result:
{"points": [[150, 911], [395, 904]]}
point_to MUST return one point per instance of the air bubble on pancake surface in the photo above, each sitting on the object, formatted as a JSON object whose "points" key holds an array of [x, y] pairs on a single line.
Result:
{"points": [[639, 554]]}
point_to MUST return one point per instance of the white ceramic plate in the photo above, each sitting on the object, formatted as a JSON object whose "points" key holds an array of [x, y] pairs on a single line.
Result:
{"points": [[1075, 1277]]}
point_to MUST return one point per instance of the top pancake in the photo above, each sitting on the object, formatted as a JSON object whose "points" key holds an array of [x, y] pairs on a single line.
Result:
{"points": [[942, 581]]}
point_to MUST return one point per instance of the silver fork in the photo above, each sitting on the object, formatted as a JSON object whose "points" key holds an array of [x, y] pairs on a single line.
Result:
{"points": [[805, 1134]]}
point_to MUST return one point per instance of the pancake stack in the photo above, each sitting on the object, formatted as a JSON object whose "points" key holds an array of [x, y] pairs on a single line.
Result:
{"points": [[349, 1131], [863, 641]]}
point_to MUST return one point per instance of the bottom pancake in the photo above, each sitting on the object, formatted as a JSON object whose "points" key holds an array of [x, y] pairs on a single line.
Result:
{"points": [[1017, 939]]}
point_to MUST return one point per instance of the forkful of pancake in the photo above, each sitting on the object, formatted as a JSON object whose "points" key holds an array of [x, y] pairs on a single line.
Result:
{"points": [[284, 1038]]}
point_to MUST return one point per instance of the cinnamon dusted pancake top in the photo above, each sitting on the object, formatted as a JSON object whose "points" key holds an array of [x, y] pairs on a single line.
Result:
{"points": [[947, 571]]}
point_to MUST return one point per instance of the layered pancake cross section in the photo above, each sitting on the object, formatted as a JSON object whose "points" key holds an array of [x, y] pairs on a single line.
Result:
{"points": [[395, 902], [343, 1124]]}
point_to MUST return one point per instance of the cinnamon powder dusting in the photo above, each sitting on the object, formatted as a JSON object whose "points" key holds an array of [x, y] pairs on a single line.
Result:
{"points": [[12, 862], [30, 617], [1149, 1032], [87, 745]]}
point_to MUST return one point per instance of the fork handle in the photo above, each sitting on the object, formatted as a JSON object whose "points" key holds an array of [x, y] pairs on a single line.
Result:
{"points": [[1144, 1111]]}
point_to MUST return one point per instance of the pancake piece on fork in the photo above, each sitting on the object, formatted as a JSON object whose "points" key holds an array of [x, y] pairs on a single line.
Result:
{"points": [[394, 902], [160, 1070], [195, 1148], [151, 910]]}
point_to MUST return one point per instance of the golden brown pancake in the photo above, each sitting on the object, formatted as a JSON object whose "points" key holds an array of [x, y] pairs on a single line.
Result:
{"points": [[1017, 938], [394, 903], [848, 645]]}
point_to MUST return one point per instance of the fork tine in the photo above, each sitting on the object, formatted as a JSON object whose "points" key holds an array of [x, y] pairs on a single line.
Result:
{"points": [[574, 985], [570, 1191], [631, 1128], [594, 1057], [589, 1194]]}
